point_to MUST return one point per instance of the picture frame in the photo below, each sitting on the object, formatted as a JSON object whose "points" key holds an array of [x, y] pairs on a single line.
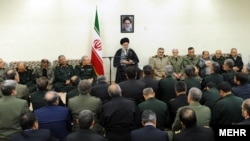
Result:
{"points": [[127, 23]]}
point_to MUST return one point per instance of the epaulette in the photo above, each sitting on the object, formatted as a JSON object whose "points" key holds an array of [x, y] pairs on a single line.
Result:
{"points": [[177, 132], [155, 56]]}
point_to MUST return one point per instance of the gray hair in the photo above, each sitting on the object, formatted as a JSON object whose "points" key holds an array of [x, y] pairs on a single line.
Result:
{"points": [[169, 69], [175, 49], [85, 119], [148, 116], [195, 94], [148, 91], [84, 86], [8, 86], [229, 62]]}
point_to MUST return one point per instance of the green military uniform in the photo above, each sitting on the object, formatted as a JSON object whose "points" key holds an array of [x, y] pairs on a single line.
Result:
{"points": [[11, 111], [192, 61], [161, 110], [85, 72], [3, 71], [214, 77], [177, 63], [158, 65], [62, 74], [220, 61], [28, 78], [192, 82], [203, 115], [229, 77], [210, 97], [83, 102]]}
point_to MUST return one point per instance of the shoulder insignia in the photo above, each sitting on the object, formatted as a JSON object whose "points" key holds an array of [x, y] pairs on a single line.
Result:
{"points": [[154, 56]]}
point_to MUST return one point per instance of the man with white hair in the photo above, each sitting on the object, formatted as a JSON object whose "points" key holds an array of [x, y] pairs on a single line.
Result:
{"points": [[177, 62], [203, 113]]}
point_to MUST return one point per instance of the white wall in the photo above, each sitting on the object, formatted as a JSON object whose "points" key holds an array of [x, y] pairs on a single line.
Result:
{"points": [[36, 29]]}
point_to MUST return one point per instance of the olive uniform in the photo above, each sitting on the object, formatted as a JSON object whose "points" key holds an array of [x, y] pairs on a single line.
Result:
{"points": [[3, 70], [192, 61], [62, 74], [28, 78], [85, 72], [158, 65]]}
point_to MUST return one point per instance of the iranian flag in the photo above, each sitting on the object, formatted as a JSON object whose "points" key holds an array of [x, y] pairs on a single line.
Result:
{"points": [[96, 53]]}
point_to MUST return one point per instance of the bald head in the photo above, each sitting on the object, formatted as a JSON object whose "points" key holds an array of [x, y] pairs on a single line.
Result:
{"points": [[114, 90], [51, 97]]}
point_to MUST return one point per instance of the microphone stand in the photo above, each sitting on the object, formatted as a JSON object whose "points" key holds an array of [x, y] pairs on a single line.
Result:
{"points": [[110, 58]]}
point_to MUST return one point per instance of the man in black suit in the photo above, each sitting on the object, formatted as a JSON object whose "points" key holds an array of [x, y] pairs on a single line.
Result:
{"points": [[100, 89], [238, 63], [149, 80], [191, 131], [242, 88], [30, 131], [229, 72], [245, 112], [85, 121], [119, 116], [149, 132], [132, 88], [179, 101]]}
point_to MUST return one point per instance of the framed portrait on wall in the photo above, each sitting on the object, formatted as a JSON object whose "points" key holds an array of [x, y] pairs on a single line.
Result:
{"points": [[127, 23]]}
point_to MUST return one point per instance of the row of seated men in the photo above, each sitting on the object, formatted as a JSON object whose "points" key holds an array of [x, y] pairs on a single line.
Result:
{"points": [[159, 61], [58, 76], [118, 107]]}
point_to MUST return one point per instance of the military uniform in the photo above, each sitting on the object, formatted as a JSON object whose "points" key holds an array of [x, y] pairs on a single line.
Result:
{"points": [[158, 65], [220, 61], [3, 71], [62, 74], [47, 72], [177, 63], [85, 72], [193, 61], [28, 78]]}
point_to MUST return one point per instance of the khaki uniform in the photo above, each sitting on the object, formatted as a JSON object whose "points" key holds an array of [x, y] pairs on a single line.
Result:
{"points": [[158, 65]]}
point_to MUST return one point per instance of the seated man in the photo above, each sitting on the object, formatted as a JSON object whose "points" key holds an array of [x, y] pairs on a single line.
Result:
{"points": [[177, 62], [238, 63], [26, 76], [53, 117], [63, 73], [3, 69], [45, 70], [219, 59], [85, 70], [148, 132], [190, 129], [158, 63], [31, 131], [204, 64], [85, 121]]}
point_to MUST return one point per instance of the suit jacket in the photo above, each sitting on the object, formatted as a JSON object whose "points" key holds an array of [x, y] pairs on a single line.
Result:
{"points": [[210, 97], [244, 122], [151, 82], [242, 91], [33, 135], [158, 65], [227, 111], [176, 103], [203, 115], [121, 119], [56, 119], [229, 77], [50, 73], [148, 133], [166, 89], [100, 90], [83, 102], [195, 134], [237, 62], [85, 134], [11, 110], [72, 93], [161, 110], [132, 89]]}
